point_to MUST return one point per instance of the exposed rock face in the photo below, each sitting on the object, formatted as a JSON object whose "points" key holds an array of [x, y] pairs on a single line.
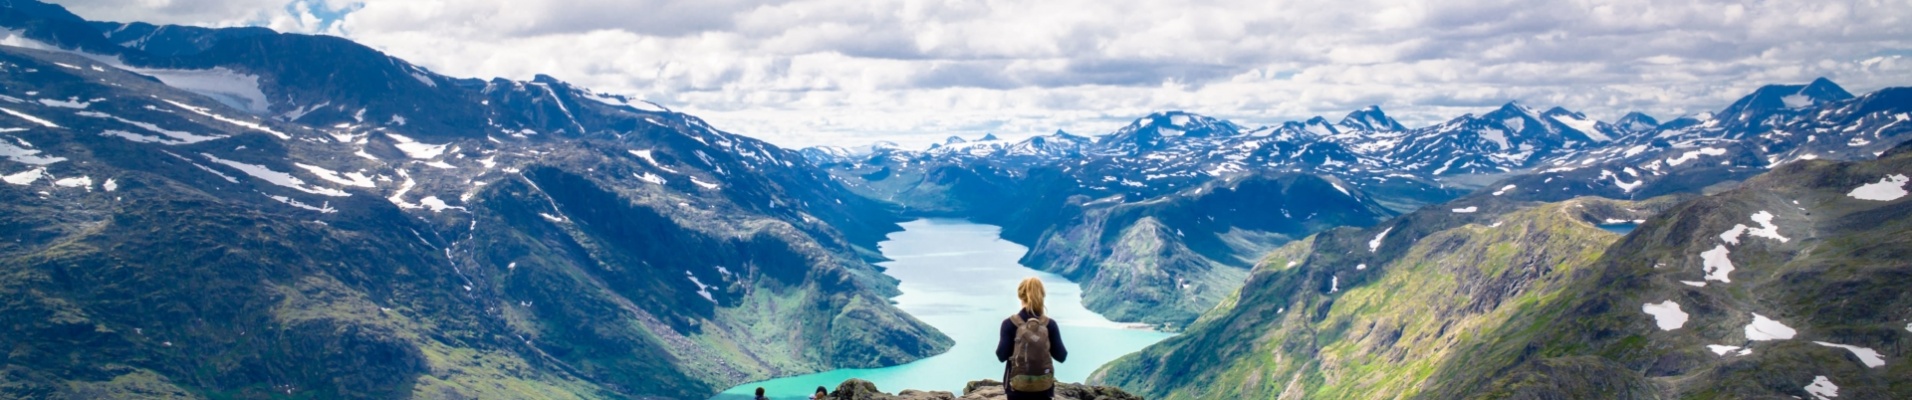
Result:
{"points": [[858, 389]]}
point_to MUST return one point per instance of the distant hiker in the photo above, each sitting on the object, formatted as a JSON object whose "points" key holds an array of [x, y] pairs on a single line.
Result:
{"points": [[1031, 345], [821, 394], [760, 394]]}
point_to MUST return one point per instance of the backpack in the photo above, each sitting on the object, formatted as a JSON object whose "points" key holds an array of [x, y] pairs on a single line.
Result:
{"points": [[1030, 368]]}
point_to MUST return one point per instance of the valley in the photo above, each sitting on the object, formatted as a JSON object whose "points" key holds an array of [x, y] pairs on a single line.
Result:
{"points": [[960, 278], [192, 212]]}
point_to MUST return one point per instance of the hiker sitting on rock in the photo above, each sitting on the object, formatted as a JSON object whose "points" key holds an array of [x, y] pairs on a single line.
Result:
{"points": [[1031, 345]]}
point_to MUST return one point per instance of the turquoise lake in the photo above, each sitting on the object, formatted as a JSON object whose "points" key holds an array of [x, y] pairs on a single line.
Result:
{"points": [[960, 277]]}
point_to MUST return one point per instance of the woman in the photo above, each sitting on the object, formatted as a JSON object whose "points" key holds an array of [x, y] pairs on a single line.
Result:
{"points": [[1029, 374]]}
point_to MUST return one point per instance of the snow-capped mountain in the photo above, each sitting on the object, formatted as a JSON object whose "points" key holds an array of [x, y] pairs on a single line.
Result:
{"points": [[327, 221], [1771, 126], [1370, 119], [1159, 130], [1513, 151]]}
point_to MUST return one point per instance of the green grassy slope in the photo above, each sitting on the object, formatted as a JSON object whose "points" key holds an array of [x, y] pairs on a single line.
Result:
{"points": [[1331, 317]]}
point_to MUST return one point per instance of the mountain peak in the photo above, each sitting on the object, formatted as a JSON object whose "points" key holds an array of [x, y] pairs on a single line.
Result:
{"points": [[990, 137], [1823, 88], [1637, 122], [954, 140], [1371, 119], [1514, 106], [1755, 107]]}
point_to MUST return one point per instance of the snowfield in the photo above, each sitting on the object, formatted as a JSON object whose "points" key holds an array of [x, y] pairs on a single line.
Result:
{"points": [[1764, 329], [1666, 314], [1867, 356], [1822, 388], [1888, 189], [276, 177], [26, 155], [1718, 267]]}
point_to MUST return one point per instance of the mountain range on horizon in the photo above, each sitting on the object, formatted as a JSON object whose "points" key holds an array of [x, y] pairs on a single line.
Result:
{"points": [[240, 213]]}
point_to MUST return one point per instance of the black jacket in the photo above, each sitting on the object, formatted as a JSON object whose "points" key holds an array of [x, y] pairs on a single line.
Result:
{"points": [[1006, 345]]}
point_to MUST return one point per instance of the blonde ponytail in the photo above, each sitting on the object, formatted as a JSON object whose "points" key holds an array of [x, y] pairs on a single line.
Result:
{"points": [[1031, 293]]}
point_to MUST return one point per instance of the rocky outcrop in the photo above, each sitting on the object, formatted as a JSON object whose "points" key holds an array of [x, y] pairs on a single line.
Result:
{"points": [[858, 389]]}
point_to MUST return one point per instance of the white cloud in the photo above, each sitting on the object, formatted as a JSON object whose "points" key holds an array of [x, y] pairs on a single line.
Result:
{"points": [[848, 71]]}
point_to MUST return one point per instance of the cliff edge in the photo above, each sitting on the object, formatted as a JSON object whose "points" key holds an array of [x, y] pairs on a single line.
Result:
{"points": [[858, 389]]}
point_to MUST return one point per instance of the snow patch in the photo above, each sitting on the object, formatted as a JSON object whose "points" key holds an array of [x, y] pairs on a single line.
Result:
{"points": [[25, 178], [29, 118], [705, 185], [1497, 136], [1694, 284], [424, 79], [25, 155], [110, 185], [1723, 349], [1627, 187], [1766, 228], [1763, 329], [1504, 190], [1718, 267], [646, 155], [398, 198], [1867, 356], [1822, 388], [72, 102], [220, 118], [1375, 245], [1361, 267], [702, 290], [349, 179], [1468, 210], [416, 150], [276, 177], [1694, 155], [80, 182], [323, 208], [1731, 236], [1888, 189], [179, 137], [233, 89], [652, 178], [437, 205], [1667, 314], [1586, 126]]}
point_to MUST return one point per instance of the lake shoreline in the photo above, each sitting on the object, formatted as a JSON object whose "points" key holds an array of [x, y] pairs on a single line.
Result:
{"points": [[926, 258]]}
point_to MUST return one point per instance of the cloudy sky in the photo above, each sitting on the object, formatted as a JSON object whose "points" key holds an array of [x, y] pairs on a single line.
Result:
{"points": [[808, 72]]}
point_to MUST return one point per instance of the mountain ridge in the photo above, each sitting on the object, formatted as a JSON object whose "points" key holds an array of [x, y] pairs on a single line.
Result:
{"points": [[222, 218]]}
